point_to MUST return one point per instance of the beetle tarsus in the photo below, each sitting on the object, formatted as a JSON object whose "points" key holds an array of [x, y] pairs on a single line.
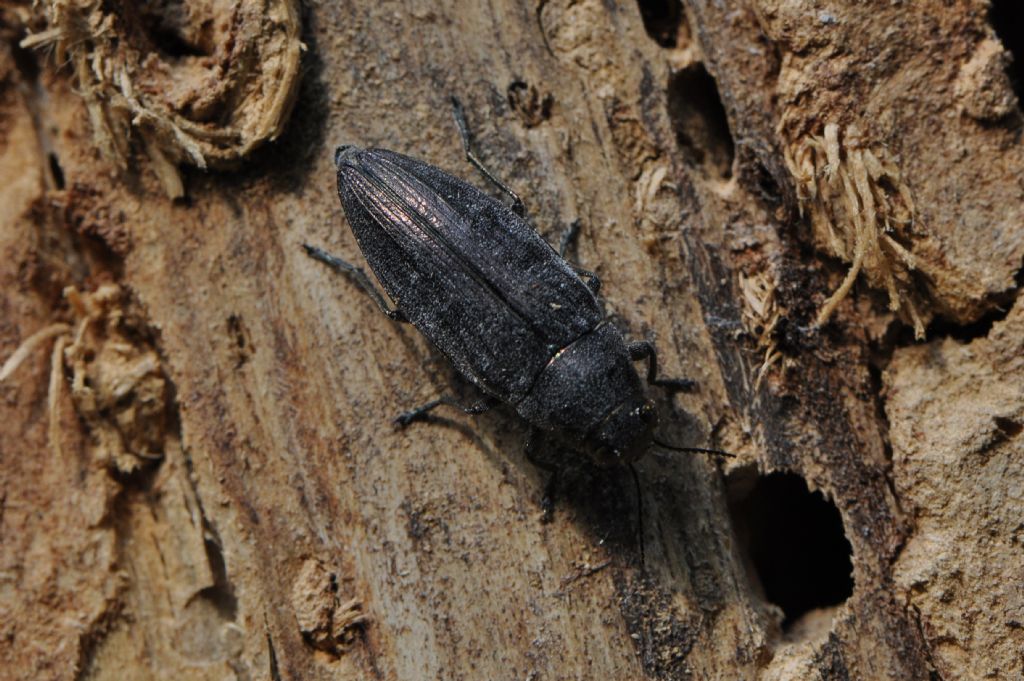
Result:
{"points": [[676, 385], [420, 413]]}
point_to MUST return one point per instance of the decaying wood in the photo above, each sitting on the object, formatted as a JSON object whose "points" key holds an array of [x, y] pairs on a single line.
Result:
{"points": [[199, 474]]}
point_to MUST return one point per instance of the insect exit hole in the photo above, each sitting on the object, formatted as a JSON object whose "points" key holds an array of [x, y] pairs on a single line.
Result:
{"points": [[665, 22], [700, 122], [794, 546]]}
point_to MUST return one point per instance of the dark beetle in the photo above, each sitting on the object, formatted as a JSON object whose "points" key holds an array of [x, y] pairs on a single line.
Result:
{"points": [[510, 313]]}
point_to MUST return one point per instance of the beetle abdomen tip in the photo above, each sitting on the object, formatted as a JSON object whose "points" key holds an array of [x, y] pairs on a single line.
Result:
{"points": [[343, 151]]}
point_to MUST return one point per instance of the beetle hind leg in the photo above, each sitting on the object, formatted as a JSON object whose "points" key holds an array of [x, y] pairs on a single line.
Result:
{"points": [[421, 412], [645, 349], [358, 276]]}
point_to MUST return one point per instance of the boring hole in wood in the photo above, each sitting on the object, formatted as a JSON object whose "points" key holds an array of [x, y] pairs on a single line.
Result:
{"points": [[793, 543], [700, 122], [664, 20]]}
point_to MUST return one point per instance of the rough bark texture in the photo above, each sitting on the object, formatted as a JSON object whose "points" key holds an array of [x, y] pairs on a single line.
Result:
{"points": [[198, 473]]}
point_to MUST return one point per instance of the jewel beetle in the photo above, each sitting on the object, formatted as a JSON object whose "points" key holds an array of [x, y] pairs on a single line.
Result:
{"points": [[513, 316]]}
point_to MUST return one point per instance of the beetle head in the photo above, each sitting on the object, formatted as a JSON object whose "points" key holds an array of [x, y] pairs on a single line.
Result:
{"points": [[625, 434]]}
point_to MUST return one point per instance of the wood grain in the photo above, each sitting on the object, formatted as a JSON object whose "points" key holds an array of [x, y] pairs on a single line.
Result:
{"points": [[289, 531]]}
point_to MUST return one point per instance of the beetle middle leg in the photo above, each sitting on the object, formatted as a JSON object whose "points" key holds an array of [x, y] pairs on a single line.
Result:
{"points": [[592, 281], [569, 237], [645, 350], [358, 276], [421, 412], [566, 241], [460, 120]]}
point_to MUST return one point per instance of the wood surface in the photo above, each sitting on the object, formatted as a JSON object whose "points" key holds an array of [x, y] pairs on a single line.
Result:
{"points": [[199, 475]]}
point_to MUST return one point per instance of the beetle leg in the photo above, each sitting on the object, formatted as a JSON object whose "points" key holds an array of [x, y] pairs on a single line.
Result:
{"points": [[358, 276], [420, 413], [547, 501], [567, 240], [592, 281], [460, 121], [569, 237], [645, 350], [639, 514]]}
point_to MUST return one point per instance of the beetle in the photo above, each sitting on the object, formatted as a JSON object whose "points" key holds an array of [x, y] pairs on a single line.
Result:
{"points": [[513, 316]]}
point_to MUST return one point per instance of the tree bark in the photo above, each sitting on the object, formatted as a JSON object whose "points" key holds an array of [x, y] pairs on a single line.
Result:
{"points": [[200, 475]]}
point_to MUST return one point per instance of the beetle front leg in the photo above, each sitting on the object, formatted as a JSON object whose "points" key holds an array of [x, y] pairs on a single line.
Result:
{"points": [[421, 412], [645, 350], [358, 276]]}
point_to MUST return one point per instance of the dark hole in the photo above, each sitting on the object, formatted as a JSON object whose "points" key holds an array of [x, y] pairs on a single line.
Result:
{"points": [[221, 593], [25, 60], [1008, 427], [699, 120], [965, 332], [56, 171], [662, 20], [793, 541], [941, 327], [533, 107], [167, 24], [125, 400], [173, 45], [237, 330], [765, 184], [1007, 17]]}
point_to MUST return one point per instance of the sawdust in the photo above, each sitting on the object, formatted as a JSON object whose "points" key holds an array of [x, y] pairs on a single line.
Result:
{"points": [[860, 211], [117, 384], [761, 316], [208, 109]]}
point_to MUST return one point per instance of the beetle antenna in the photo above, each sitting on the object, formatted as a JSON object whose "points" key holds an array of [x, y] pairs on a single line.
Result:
{"points": [[695, 450], [639, 515]]}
